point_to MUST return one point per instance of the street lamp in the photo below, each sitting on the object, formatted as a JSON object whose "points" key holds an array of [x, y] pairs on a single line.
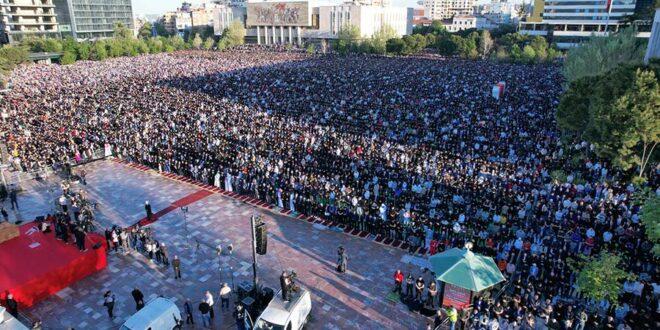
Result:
{"points": [[184, 209]]}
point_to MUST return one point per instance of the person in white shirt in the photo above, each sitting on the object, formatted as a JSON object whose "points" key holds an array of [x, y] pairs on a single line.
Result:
{"points": [[209, 300], [225, 294]]}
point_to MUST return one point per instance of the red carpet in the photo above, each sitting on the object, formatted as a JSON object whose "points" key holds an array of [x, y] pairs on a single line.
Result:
{"points": [[33, 274], [194, 197]]}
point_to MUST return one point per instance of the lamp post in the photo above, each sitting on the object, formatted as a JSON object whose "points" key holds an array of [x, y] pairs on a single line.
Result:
{"points": [[184, 209]]}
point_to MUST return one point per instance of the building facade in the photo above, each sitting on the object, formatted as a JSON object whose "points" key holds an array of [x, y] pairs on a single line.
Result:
{"points": [[653, 48], [294, 21], [446, 9], [25, 18], [569, 22], [90, 19]]}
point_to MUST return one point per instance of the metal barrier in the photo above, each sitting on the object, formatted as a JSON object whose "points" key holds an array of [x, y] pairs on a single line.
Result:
{"points": [[15, 177]]}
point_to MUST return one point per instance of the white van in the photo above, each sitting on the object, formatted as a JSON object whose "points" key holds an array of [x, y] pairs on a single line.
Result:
{"points": [[286, 315], [158, 314]]}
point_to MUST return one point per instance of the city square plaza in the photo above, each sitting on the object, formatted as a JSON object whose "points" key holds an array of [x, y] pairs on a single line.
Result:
{"points": [[355, 299]]}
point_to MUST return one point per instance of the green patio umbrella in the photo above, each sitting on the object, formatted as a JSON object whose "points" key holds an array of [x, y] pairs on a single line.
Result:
{"points": [[463, 268]]}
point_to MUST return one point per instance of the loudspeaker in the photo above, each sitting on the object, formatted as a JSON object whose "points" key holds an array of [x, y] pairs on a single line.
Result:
{"points": [[96, 246], [261, 234]]}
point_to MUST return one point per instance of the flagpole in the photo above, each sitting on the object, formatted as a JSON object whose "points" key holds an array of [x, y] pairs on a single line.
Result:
{"points": [[608, 7]]}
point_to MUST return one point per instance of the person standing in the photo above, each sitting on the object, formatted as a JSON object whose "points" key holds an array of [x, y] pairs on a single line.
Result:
{"points": [[342, 260], [452, 315], [188, 309], [5, 215], [139, 298], [147, 209], [433, 291], [204, 309], [80, 238], [13, 198], [209, 300], [176, 265], [163, 254], [225, 293], [284, 283], [83, 175], [12, 305], [109, 302], [419, 288], [410, 281], [398, 281]]}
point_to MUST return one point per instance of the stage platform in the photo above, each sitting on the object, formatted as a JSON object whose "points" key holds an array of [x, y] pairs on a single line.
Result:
{"points": [[35, 265]]}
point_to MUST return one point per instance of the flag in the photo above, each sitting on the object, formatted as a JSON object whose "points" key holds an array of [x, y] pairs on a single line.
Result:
{"points": [[608, 6]]}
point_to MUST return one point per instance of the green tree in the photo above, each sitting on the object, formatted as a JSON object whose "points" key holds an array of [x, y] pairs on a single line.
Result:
{"points": [[161, 30], [380, 38], [485, 43], [5, 70], [602, 54], [85, 50], [395, 45], [234, 35], [68, 58], [14, 55], [208, 43], [449, 45], [618, 113], [99, 51], [650, 217], [348, 38], [310, 49], [177, 42], [197, 42], [600, 277], [120, 31], [145, 30], [528, 54], [155, 45]]}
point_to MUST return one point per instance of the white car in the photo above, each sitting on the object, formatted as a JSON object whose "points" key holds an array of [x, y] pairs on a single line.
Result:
{"points": [[158, 314], [286, 315]]}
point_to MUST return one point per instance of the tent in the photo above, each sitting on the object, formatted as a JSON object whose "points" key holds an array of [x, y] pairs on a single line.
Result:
{"points": [[464, 269]]}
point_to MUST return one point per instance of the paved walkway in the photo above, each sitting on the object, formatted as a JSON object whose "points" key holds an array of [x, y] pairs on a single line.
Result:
{"points": [[347, 301]]}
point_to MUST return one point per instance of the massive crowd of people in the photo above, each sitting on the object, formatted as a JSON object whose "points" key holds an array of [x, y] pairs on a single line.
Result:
{"points": [[414, 149]]}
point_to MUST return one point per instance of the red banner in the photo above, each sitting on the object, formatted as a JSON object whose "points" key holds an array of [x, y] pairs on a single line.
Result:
{"points": [[456, 296]]}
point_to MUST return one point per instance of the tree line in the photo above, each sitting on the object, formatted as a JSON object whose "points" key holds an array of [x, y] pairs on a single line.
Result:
{"points": [[123, 43], [502, 44]]}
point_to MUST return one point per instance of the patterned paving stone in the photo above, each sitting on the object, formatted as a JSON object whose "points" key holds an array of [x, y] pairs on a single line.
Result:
{"points": [[354, 300]]}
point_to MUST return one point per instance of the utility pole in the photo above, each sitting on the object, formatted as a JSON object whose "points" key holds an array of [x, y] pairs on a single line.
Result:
{"points": [[253, 221]]}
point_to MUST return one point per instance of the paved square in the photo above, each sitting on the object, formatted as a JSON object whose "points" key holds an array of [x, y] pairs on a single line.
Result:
{"points": [[355, 300]]}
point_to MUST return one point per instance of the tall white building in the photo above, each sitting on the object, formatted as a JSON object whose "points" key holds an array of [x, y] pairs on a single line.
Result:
{"points": [[21, 18], [446, 9], [568, 22]]}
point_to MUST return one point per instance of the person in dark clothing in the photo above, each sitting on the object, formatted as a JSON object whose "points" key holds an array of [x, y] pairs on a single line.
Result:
{"points": [[410, 281], [176, 265], [204, 308], [5, 215], [284, 283], [139, 298], [108, 237], [419, 288], [188, 309], [12, 305], [80, 239], [13, 198], [83, 175], [239, 316], [147, 208], [109, 302]]}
